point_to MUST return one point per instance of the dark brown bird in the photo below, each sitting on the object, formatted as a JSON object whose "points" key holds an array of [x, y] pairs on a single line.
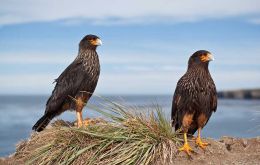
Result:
{"points": [[81, 75], [195, 99]]}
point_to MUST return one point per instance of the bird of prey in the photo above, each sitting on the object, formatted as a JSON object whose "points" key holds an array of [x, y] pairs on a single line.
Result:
{"points": [[81, 75], [195, 99]]}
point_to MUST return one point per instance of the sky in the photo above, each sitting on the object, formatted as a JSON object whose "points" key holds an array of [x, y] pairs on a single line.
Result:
{"points": [[146, 43]]}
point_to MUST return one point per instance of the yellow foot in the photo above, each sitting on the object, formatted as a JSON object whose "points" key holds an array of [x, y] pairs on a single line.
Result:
{"points": [[87, 122], [186, 148], [201, 144]]}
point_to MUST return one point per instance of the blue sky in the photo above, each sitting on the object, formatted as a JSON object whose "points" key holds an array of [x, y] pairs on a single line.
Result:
{"points": [[146, 44]]}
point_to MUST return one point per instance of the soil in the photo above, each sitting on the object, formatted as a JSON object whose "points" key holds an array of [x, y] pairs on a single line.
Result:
{"points": [[227, 150]]}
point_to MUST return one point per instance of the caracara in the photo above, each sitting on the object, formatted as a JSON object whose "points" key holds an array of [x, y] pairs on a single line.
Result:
{"points": [[195, 99], [75, 85]]}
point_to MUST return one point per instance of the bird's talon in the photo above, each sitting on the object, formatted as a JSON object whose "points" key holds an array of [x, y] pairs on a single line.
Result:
{"points": [[187, 149], [201, 144]]}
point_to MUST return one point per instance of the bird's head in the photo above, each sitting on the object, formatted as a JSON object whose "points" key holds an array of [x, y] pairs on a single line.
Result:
{"points": [[90, 42], [201, 57]]}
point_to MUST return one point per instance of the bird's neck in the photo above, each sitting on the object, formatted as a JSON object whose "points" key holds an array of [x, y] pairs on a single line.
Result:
{"points": [[200, 71], [199, 66], [88, 54]]}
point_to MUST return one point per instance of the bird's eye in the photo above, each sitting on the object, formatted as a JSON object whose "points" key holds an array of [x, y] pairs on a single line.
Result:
{"points": [[204, 57], [197, 59]]}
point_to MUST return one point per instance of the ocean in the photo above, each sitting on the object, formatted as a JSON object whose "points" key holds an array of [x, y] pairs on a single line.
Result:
{"points": [[238, 118]]}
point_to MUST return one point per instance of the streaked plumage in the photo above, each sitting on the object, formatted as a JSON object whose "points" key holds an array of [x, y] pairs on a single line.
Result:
{"points": [[195, 97], [81, 75]]}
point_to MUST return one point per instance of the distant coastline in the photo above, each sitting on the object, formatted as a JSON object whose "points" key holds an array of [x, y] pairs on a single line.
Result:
{"points": [[240, 94]]}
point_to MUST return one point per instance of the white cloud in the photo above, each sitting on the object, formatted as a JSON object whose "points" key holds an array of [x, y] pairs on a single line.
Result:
{"points": [[141, 82], [136, 72], [35, 58], [139, 58], [164, 82], [237, 79], [129, 82], [118, 11], [255, 21], [26, 83], [110, 58], [155, 68]]}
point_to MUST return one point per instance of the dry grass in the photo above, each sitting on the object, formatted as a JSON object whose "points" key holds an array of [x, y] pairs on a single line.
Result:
{"points": [[124, 138]]}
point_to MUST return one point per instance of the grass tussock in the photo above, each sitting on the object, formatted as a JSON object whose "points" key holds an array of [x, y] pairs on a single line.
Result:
{"points": [[124, 138]]}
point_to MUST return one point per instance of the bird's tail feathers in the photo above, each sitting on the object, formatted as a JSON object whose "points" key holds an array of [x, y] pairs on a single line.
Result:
{"points": [[42, 122]]}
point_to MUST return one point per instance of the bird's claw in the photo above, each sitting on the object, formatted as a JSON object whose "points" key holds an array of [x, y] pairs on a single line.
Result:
{"points": [[187, 149], [201, 144], [86, 122]]}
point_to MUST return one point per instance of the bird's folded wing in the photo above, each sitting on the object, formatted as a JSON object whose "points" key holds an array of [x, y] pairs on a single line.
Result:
{"points": [[67, 84], [214, 100]]}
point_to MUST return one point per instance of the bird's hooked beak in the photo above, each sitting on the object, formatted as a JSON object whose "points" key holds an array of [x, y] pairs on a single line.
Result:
{"points": [[96, 42], [210, 57], [207, 57]]}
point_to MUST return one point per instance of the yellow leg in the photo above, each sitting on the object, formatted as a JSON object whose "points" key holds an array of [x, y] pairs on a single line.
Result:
{"points": [[186, 147], [79, 119], [79, 107], [199, 142]]}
